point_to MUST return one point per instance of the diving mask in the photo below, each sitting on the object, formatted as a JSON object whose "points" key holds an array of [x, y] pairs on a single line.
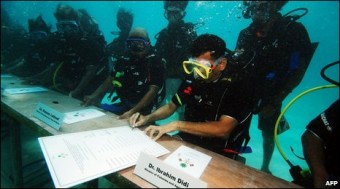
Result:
{"points": [[136, 44], [68, 27], [259, 11], [173, 14], [202, 67]]}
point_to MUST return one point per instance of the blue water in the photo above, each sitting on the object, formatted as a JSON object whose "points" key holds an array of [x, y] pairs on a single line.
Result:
{"points": [[225, 20]]}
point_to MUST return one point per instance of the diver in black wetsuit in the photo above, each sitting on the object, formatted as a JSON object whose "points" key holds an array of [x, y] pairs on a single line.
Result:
{"points": [[173, 43], [320, 145], [277, 50]]}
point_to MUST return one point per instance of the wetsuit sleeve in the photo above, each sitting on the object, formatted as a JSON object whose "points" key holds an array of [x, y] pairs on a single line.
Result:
{"points": [[327, 123], [156, 76], [236, 103], [182, 94]]}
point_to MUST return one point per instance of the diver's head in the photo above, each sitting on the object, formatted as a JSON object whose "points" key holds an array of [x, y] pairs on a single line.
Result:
{"points": [[124, 20], [208, 58], [138, 42], [174, 10], [67, 21], [261, 11], [66, 12]]}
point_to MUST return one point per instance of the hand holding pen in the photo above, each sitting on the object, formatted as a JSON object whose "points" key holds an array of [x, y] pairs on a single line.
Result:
{"points": [[137, 120]]}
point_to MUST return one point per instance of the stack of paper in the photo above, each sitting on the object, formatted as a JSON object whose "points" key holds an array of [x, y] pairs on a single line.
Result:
{"points": [[79, 157]]}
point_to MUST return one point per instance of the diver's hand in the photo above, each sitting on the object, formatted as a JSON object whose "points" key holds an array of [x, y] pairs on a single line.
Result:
{"points": [[89, 100], [125, 115], [155, 132], [124, 20], [75, 93], [137, 120]]}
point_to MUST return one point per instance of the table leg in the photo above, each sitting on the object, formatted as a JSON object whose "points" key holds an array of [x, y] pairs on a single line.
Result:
{"points": [[15, 148]]}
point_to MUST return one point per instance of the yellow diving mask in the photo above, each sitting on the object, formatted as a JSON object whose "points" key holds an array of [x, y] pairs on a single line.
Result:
{"points": [[202, 67]]}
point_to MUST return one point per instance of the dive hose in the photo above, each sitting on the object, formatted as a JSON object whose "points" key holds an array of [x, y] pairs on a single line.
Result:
{"points": [[55, 76], [284, 111], [300, 177], [323, 75]]}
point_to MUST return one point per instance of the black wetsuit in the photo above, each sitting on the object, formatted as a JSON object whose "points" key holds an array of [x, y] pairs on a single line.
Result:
{"points": [[36, 58], [173, 44], [326, 127], [117, 47], [208, 102], [275, 67], [75, 55], [136, 75]]}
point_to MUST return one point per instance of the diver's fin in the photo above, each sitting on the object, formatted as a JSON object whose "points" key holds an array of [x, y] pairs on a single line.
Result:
{"points": [[246, 150]]}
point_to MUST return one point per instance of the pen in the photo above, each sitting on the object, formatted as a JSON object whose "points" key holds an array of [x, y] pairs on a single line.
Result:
{"points": [[134, 125]]}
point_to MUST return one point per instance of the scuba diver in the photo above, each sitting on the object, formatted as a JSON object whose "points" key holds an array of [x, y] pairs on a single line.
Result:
{"points": [[34, 61], [319, 143], [173, 43], [14, 46], [137, 77], [216, 113], [272, 55], [320, 147], [117, 48], [124, 22], [77, 63], [81, 48]]}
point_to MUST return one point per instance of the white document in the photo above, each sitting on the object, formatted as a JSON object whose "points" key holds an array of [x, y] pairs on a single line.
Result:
{"points": [[81, 115], [25, 90], [188, 160], [80, 157]]}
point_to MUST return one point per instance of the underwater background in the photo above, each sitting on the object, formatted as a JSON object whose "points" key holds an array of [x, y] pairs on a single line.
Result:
{"points": [[224, 18]]}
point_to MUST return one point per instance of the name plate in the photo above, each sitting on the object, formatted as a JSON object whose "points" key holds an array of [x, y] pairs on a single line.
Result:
{"points": [[49, 116], [163, 175]]}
